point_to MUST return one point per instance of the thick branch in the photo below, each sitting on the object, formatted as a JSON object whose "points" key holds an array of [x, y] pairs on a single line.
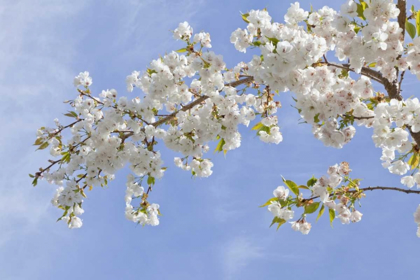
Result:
{"points": [[370, 73], [391, 88], [402, 5], [394, 89]]}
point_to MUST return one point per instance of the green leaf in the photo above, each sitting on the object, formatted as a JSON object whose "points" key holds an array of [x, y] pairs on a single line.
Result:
{"points": [[181, 50], [418, 22], [316, 118], [151, 180], [280, 223], [332, 216], [64, 214], [38, 141], [309, 209], [35, 181], [150, 72], [273, 40], [373, 64], [292, 186], [344, 73], [265, 128], [303, 187], [308, 26], [71, 114], [269, 201], [43, 146], [414, 160], [66, 157], [206, 64], [258, 126], [32, 176], [321, 212], [220, 145], [245, 17], [311, 181], [275, 219], [411, 29], [360, 9], [283, 203]]}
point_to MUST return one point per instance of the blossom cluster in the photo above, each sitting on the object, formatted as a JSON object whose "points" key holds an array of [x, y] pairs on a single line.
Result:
{"points": [[144, 215], [295, 58], [289, 61], [391, 137], [70, 199], [188, 99], [327, 189]]}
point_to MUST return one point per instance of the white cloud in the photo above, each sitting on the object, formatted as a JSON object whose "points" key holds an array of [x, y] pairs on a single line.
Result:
{"points": [[146, 25], [35, 70], [238, 254], [38, 50]]}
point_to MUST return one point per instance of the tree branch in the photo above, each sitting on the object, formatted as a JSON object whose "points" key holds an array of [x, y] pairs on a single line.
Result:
{"points": [[64, 127], [247, 79], [370, 73], [89, 96], [39, 174], [407, 191], [393, 89], [358, 118], [402, 5]]}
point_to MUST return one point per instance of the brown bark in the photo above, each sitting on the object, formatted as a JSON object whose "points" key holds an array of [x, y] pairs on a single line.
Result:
{"points": [[402, 5]]}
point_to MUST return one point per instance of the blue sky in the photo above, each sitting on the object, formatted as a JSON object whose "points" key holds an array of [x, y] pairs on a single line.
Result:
{"points": [[212, 228]]}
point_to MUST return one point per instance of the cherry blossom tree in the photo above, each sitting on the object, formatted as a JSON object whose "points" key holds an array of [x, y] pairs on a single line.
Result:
{"points": [[328, 60]]}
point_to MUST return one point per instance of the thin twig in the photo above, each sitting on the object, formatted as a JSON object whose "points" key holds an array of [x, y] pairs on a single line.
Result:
{"points": [[39, 174], [89, 96], [199, 100], [81, 178], [64, 127], [358, 118], [407, 191], [401, 79]]}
